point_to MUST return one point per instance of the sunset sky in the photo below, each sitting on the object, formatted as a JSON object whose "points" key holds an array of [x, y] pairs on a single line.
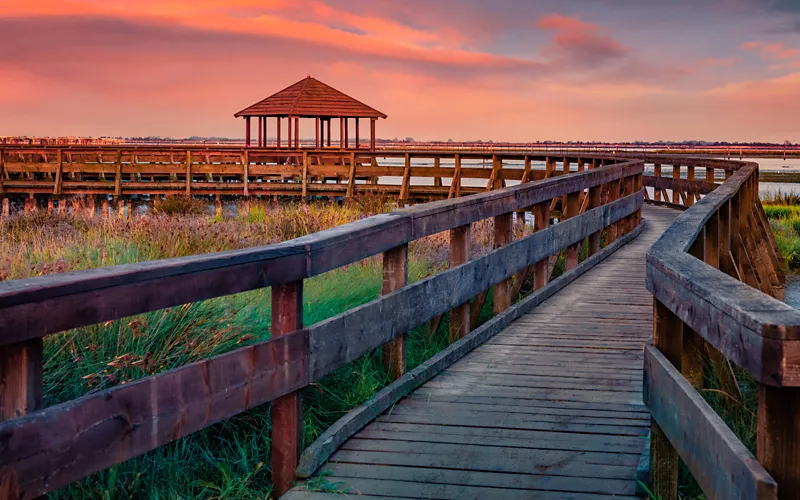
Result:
{"points": [[516, 70]]}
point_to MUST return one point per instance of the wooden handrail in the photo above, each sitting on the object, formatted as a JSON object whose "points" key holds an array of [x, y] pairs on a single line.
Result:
{"points": [[55, 446], [716, 277]]}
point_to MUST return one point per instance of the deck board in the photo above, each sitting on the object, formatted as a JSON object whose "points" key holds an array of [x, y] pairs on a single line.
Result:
{"points": [[549, 408]]}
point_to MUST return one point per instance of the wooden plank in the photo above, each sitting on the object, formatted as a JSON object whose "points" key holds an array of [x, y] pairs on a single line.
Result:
{"points": [[778, 437], [60, 444], [721, 464], [329, 441]]}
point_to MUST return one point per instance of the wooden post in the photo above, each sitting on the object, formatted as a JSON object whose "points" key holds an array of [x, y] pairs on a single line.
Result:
{"points": [[541, 213], [351, 181], [437, 180], [594, 202], [372, 133], [693, 344], [342, 123], [287, 411], [657, 174], [188, 173], [691, 191], [278, 136], [289, 144], [676, 174], [778, 437], [90, 207], [317, 132], [346, 132], [459, 254], [613, 195], [455, 182], [59, 172], [6, 207], [246, 172], [304, 180], [296, 132], [329, 132], [264, 125], [2, 172], [20, 378], [667, 338], [247, 131], [260, 132], [395, 277], [104, 207], [405, 188], [117, 175], [571, 210], [358, 139], [503, 230]]}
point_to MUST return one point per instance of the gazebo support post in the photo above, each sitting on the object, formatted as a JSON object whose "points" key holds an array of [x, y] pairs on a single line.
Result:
{"points": [[297, 132], [278, 120], [247, 131], [265, 131], [372, 134], [341, 133], [329, 132], [317, 134], [261, 131], [289, 132], [357, 136]]}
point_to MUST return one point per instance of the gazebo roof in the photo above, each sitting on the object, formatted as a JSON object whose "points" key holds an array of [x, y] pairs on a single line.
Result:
{"points": [[311, 98]]}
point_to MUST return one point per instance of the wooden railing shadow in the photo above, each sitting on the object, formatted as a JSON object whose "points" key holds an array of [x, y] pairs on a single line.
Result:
{"points": [[42, 449], [717, 280]]}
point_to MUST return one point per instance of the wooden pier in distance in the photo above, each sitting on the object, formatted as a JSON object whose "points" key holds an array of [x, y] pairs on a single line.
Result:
{"points": [[553, 397]]}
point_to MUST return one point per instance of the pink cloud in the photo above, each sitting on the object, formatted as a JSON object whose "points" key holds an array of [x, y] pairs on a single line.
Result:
{"points": [[771, 51], [580, 38]]}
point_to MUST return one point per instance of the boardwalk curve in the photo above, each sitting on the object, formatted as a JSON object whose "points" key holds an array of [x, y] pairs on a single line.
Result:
{"points": [[551, 407]]}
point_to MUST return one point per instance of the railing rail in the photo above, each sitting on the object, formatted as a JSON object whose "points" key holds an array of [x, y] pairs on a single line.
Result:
{"points": [[44, 449], [716, 277], [58, 173]]}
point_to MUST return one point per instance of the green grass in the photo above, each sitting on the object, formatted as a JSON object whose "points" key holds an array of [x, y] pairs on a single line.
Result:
{"points": [[230, 459], [785, 222]]}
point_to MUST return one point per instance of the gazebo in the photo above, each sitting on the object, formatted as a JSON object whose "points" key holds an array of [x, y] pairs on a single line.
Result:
{"points": [[310, 98]]}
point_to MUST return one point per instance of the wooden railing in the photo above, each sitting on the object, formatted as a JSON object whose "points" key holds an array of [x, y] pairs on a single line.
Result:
{"points": [[717, 278], [42, 449], [61, 176]]}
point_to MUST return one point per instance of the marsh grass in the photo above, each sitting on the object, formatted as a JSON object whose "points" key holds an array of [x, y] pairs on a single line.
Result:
{"points": [[230, 459]]}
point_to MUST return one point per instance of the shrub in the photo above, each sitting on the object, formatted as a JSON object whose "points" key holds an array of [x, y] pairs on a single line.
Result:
{"points": [[180, 205]]}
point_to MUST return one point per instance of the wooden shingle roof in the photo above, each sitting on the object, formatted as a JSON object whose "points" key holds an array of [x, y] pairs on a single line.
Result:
{"points": [[311, 98]]}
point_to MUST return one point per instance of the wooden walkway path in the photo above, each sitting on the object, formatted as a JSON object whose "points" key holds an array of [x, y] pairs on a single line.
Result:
{"points": [[549, 408]]}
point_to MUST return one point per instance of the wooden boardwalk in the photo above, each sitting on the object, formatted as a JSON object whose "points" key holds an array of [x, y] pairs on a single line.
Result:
{"points": [[549, 408]]}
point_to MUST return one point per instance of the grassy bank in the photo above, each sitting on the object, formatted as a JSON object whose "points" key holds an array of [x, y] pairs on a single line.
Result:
{"points": [[231, 459]]}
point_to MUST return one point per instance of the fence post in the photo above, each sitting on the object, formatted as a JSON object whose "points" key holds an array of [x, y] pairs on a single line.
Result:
{"points": [[778, 437], [667, 338], [20, 391], [657, 174], [459, 254], [395, 276], [286, 411], [503, 227], [541, 221], [572, 209]]}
